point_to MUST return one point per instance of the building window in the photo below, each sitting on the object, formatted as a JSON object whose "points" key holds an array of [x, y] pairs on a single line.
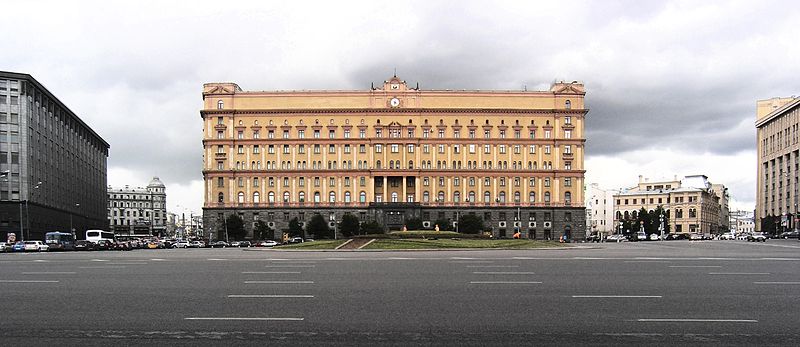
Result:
{"points": [[567, 134], [220, 182], [241, 197], [568, 104], [395, 148], [220, 105], [257, 197], [331, 134], [378, 148], [410, 149]]}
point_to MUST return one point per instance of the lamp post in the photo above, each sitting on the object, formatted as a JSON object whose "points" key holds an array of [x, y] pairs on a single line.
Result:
{"points": [[661, 227], [28, 211], [71, 229]]}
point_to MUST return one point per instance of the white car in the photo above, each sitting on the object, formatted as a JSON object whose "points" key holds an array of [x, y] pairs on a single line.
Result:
{"points": [[727, 236], [654, 237], [180, 244], [616, 238], [36, 246]]}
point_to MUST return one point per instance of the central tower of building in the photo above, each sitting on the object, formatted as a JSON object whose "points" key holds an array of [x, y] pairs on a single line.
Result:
{"points": [[513, 158]]}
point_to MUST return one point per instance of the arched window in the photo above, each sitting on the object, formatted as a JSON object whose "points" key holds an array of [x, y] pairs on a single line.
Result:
{"points": [[440, 197], [301, 197], [378, 164], [516, 197], [256, 197], [241, 197], [410, 164], [347, 197], [502, 197], [221, 197], [546, 197], [394, 196], [332, 197], [271, 197], [316, 197], [472, 196], [531, 197], [568, 104], [426, 197], [567, 198], [286, 196], [362, 197], [457, 197], [220, 105], [487, 197]]}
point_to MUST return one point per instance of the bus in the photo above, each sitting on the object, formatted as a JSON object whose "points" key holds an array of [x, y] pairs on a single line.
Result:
{"points": [[60, 241], [95, 235]]}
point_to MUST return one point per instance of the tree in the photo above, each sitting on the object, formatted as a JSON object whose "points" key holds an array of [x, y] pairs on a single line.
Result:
{"points": [[372, 227], [349, 225], [262, 231], [295, 230], [319, 227], [235, 226], [470, 224], [444, 224], [414, 224]]}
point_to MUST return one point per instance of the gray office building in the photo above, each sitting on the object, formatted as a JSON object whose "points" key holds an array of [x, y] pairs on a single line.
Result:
{"points": [[52, 165]]}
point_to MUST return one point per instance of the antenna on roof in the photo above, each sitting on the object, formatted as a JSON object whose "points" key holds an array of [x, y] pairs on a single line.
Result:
{"points": [[417, 85], [395, 72], [525, 87]]}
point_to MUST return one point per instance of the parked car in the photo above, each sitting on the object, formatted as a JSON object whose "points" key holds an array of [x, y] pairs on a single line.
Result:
{"points": [[219, 244], [727, 236], [616, 238], [104, 245], [83, 245], [197, 244], [235, 243], [653, 237], [695, 236], [36, 246], [180, 244], [296, 240], [789, 234], [121, 246], [245, 244], [268, 243], [756, 237], [5, 247], [18, 247]]}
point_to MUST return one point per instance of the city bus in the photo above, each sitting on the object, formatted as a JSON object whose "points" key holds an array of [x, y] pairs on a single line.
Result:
{"points": [[95, 235], [60, 241]]}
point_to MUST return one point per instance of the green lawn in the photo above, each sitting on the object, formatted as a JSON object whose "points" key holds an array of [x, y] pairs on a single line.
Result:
{"points": [[319, 244], [463, 243]]}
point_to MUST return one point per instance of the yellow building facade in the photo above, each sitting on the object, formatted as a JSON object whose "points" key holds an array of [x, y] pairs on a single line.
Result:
{"points": [[514, 158]]}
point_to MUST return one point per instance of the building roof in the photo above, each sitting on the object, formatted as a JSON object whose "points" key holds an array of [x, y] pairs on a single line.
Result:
{"points": [[778, 111]]}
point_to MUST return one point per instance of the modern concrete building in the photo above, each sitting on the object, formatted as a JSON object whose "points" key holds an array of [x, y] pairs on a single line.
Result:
{"points": [[777, 132], [600, 210], [138, 211], [513, 158], [52, 164], [691, 204]]}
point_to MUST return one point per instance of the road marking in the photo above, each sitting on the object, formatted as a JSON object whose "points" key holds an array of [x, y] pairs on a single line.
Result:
{"points": [[246, 318], [270, 272], [269, 296], [738, 273], [278, 282], [98, 260], [648, 261], [27, 281], [692, 266], [503, 273], [290, 266], [776, 282], [127, 263], [50, 273], [41, 261], [217, 259], [471, 261], [101, 267], [692, 320], [157, 259], [490, 266], [618, 296], [504, 282]]}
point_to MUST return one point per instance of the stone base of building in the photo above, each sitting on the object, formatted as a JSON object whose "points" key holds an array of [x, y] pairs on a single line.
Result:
{"points": [[32, 221], [540, 223]]}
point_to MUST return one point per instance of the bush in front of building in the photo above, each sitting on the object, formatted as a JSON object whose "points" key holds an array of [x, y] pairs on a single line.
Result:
{"points": [[372, 227], [414, 224], [319, 228], [444, 224], [349, 225], [262, 231], [295, 229], [470, 224]]}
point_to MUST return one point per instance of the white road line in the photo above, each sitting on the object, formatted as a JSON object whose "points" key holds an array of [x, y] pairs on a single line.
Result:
{"points": [[693, 320], [127, 263], [157, 259], [27, 281], [504, 282], [503, 273], [217, 259], [98, 260], [270, 272], [101, 267], [618, 296], [269, 296], [289, 266], [471, 261], [279, 282], [50, 273], [490, 266], [738, 273], [41, 261], [245, 318], [776, 282], [648, 261], [692, 266]]}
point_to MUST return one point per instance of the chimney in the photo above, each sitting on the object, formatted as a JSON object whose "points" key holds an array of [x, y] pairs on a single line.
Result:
{"points": [[641, 179]]}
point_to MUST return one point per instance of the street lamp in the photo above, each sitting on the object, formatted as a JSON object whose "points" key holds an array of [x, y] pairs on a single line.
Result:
{"points": [[661, 227], [28, 211], [71, 229]]}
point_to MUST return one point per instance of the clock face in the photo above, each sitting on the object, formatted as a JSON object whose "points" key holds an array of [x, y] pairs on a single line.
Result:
{"points": [[394, 102], [395, 86]]}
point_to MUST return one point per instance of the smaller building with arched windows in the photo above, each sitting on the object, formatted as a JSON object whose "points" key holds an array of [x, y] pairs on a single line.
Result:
{"points": [[140, 211]]}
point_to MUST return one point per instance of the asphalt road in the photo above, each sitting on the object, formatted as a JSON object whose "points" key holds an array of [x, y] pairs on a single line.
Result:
{"points": [[655, 293]]}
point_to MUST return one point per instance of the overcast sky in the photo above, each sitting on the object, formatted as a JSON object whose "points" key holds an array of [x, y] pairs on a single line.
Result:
{"points": [[671, 86]]}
